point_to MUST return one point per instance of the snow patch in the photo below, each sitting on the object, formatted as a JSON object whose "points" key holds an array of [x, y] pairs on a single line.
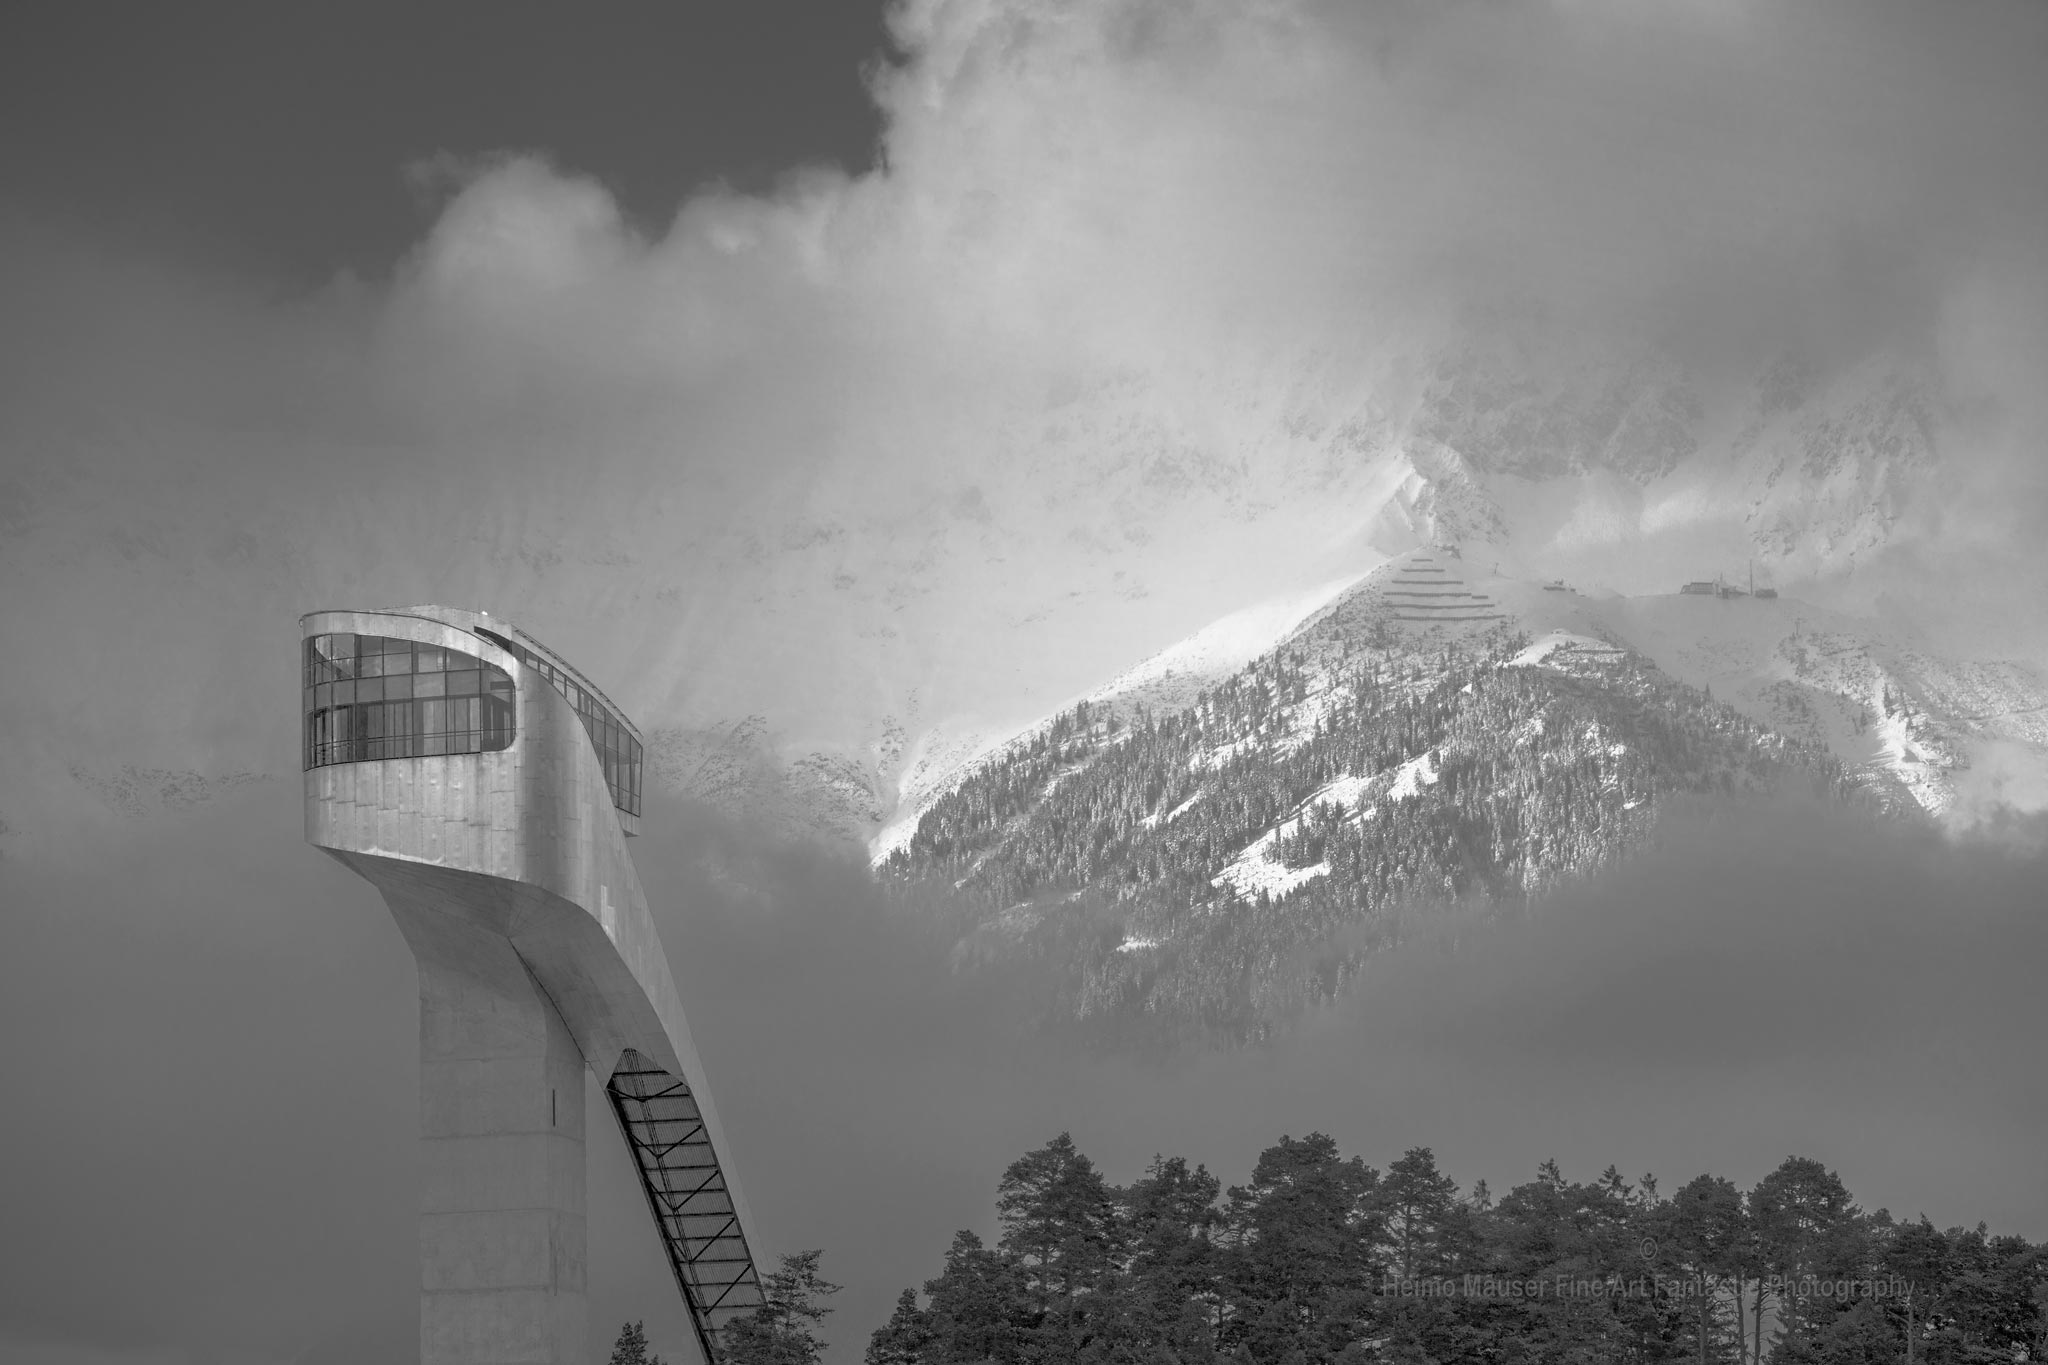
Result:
{"points": [[1539, 653], [1155, 821], [1411, 777], [1254, 872], [1346, 790], [1255, 869], [1215, 758]]}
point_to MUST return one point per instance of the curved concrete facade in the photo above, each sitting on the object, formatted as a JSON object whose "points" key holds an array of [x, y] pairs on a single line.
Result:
{"points": [[508, 874]]}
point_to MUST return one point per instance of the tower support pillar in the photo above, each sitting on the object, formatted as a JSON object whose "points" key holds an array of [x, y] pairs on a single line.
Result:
{"points": [[502, 1198]]}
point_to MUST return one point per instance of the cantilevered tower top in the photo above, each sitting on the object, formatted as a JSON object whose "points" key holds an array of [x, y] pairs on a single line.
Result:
{"points": [[486, 788]]}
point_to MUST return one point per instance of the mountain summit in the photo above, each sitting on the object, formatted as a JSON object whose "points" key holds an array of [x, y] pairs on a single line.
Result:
{"points": [[1204, 860]]}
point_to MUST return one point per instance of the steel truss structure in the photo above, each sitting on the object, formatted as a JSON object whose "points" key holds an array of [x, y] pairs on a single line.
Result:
{"points": [[688, 1195]]}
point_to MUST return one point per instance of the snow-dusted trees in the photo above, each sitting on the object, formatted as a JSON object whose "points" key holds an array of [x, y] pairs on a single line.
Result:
{"points": [[1517, 779]]}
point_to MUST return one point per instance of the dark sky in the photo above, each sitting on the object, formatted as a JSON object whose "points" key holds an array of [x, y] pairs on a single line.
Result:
{"points": [[276, 138]]}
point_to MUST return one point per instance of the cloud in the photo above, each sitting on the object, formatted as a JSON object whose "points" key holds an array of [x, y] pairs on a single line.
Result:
{"points": [[1112, 257], [1178, 186]]}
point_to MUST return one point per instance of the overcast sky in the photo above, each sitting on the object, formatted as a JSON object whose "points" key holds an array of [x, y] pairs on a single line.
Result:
{"points": [[945, 359], [1005, 340]]}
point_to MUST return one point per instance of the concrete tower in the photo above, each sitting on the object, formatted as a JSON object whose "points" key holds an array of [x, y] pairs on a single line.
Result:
{"points": [[486, 789]]}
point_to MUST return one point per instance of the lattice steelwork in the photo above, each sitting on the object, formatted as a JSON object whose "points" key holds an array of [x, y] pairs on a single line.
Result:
{"points": [[686, 1189]]}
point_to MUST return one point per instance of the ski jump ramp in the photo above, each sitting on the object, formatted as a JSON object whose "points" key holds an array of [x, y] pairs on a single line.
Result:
{"points": [[487, 789]]}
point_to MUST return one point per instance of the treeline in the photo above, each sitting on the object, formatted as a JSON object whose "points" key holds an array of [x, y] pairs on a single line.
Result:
{"points": [[1321, 1258], [1108, 830]]}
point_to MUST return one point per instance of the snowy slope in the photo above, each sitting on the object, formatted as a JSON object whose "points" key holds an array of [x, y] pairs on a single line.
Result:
{"points": [[1167, 681], [1911, 723]]}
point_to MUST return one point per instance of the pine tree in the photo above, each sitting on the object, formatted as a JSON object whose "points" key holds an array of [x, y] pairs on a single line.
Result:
{"points": [[978, 1308], [1060, 1227], [901, 1340], [631, 1347], [782, 1330], [1702, 1231]]}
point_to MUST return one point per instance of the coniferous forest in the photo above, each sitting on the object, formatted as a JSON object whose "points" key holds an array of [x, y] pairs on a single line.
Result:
{"points": [[1207, 872], [1318, 1257]]}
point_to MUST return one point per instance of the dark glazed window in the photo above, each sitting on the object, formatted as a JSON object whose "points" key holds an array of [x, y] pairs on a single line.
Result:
{"points": [[371, 697]]}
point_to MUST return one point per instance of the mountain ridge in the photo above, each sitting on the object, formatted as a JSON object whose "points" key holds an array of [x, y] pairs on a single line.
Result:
{"points": [[1210, 870]]}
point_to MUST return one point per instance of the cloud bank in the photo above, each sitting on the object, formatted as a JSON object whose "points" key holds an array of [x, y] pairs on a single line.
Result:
{"points": [[1057, 376]]}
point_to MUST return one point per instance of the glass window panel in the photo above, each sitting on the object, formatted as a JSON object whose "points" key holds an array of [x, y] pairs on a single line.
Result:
{"points": [[351, 718], [337, 653]]}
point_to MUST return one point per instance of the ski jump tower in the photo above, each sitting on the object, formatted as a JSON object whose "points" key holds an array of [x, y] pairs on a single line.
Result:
{"points": [[486, 789]]}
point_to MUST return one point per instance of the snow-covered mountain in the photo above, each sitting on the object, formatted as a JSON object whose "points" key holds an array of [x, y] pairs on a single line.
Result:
{"points": [[1822, 489], [1205, 870], [1906, 722], [828, 658]]}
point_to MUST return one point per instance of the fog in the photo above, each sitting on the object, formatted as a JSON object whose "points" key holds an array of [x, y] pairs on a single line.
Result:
{"points": [[1034, 386], [209, 1031]]}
